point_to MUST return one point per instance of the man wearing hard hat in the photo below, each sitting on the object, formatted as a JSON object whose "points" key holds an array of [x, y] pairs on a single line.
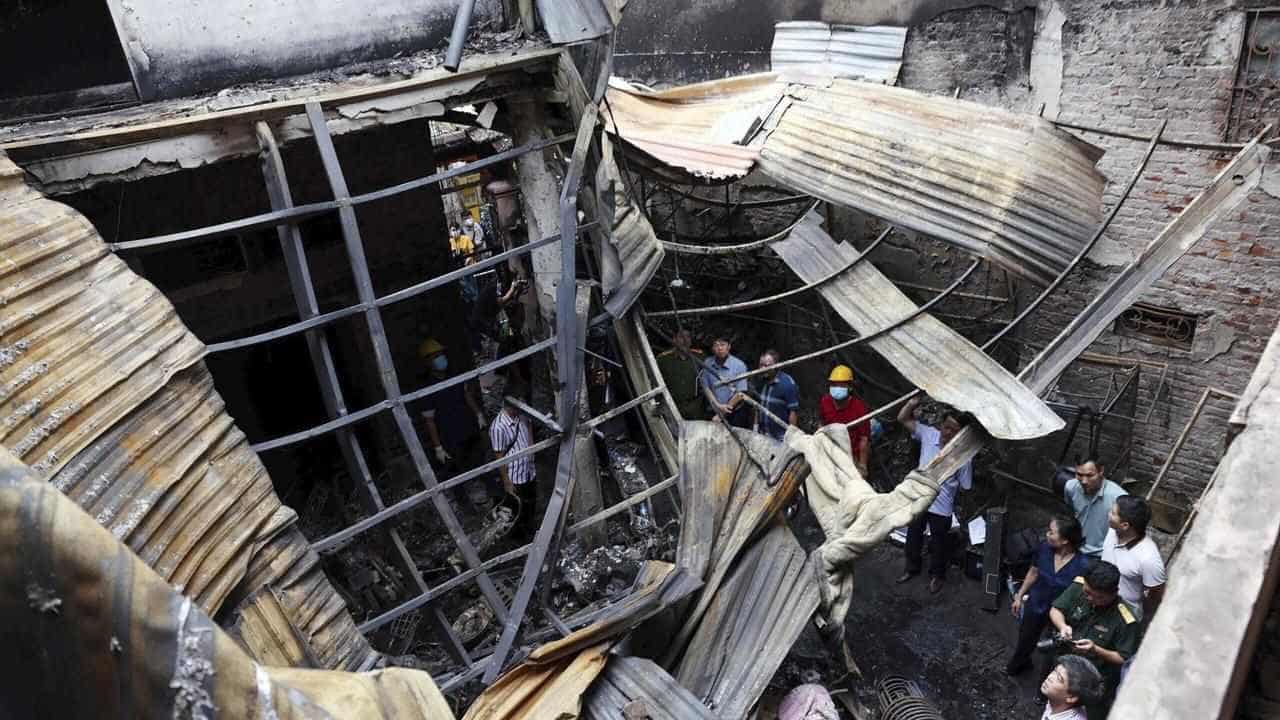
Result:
{"points": [[453, 415], [840, 405]]}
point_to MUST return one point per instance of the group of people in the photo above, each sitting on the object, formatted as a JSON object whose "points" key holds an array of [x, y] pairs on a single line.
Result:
{"points": [[1097, 579]]}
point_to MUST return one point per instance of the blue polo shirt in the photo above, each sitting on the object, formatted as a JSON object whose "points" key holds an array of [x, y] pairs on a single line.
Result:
{"points": [[1092, 512], [713, 372], [780, 396]]}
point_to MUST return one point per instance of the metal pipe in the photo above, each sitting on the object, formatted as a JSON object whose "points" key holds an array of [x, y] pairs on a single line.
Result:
{"points": [[458, 40], [1186, 432]]}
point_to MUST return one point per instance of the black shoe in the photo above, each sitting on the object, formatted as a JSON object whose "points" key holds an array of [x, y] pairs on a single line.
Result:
{"points": [[905, 577]]}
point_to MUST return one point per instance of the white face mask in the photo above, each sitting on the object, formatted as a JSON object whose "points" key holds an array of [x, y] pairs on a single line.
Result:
{"points": [[838, 393]]}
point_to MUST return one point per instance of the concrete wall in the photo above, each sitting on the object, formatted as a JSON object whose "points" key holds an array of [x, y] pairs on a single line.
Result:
{"points": [[181, 48]]}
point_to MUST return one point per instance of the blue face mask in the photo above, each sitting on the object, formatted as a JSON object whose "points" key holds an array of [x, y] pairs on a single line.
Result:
{"points": [[838, 393], [440, 363]]}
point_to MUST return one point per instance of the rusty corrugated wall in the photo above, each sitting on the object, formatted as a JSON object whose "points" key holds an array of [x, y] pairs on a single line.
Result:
{"points": [[103, 392]]}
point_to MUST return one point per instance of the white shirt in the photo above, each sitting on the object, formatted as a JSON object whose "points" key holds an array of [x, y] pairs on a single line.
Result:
{"points": [[930, 445], [1140, 567], [1075, 713]]}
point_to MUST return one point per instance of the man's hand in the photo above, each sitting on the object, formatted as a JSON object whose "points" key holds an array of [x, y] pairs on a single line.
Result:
{"points": [[1066, 632], [1085, 647], [480, 421], [442, 456], [1016, 606], [507, 484]]}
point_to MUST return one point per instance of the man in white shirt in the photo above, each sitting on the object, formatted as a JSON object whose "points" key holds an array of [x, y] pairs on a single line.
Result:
{"points": [[938, 517], [1142, 573], [1072, 684]]}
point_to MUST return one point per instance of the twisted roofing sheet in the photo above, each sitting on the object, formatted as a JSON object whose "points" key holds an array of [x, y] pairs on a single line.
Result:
{"points": [[1006, 186], [103, 392], [629, 680], [872, 53], [931, 355]]}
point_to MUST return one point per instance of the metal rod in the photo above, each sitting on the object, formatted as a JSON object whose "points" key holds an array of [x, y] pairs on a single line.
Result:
{"points": [[630, 502], [862, 339], [1186, 431], [382, 350], [780, 296], [268, 220], [372, 410], [458, 39], [1192, 144], [744, 247], [534, 413], [1195, 510]]}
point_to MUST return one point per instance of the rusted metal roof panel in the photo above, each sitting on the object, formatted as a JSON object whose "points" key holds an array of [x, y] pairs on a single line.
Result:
{"points": [[1011, 188], [639, 683], [850, 51], [751, 624], [1008, 187], [631, 253], [542, 690], [929, 354], [570, 21], [101, 635], [102, 392], [698, 128]]}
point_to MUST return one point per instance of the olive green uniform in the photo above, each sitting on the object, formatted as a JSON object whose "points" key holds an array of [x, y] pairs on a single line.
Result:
{"points": [[1111, 628], [681, 376]]}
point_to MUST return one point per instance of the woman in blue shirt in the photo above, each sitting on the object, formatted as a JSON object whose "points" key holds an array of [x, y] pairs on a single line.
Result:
{"points": [[1058, 563]]}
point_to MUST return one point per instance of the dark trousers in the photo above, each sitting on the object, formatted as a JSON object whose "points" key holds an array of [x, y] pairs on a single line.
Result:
{"points": [[527, 523], [939, 529], [1029, 632]]}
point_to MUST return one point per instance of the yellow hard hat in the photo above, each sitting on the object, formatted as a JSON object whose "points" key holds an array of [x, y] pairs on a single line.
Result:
{"points": [[429, 347], [840, 373]]}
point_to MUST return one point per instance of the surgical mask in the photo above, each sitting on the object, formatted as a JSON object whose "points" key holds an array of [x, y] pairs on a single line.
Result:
{"points": [[838, 393], [440, 363]]}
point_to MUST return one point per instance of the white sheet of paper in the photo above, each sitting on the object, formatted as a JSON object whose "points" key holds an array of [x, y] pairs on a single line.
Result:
{"points": [[977, 530]]}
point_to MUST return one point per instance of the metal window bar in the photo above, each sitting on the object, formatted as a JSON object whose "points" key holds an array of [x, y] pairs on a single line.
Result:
{"points": [[298, 213], [382, 351], [300, 282]]}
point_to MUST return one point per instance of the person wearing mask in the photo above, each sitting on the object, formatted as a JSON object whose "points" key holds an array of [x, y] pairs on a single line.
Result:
{"points": [[474, 231], [508, 434], [777, 393], [1058, 562], [841, 405], [459, 244], [452, 416], [1091, 496], [722, 365], [1142, 573], [1073, 684], [679, 367], [1093, 623], [938, 517]]}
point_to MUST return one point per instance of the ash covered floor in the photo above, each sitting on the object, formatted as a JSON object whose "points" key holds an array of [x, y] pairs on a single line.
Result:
{"points": [[954, 650]]}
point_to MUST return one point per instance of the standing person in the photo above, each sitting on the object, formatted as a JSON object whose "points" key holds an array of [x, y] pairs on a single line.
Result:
{"points": [[1142, 574], [1091, 496], [452, 416], [1073, 684], [1094, 624], [679, 369], [938, 516], [1058, 561], [779, 395], [722, 365], [840, 405], [474, 231], [459, 244], [511, 433]]}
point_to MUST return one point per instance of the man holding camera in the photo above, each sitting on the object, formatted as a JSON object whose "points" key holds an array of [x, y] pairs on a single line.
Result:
{"points": [[1092, 622]]}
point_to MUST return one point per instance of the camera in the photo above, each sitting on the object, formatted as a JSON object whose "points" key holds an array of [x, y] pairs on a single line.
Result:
{"points": [[1055, 643]]}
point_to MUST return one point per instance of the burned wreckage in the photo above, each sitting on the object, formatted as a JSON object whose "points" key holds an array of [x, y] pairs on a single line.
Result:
{"points": [[150, 558]]}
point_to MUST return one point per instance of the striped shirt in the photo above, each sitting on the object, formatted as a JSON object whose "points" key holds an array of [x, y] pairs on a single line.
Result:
{"points": [[510, 435]]}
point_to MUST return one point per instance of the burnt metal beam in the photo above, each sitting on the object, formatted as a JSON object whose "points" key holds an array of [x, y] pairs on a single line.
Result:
{"points": [[298, 213], [382, 351], [300, 282], [630, 502]]}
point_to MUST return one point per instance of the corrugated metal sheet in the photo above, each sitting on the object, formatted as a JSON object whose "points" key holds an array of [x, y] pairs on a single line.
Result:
{"points": [[101, 635], [570, 21], [102, 391], [1009, 187], [750, 626], [633, 253], [697, 128], [542, 691], [849, 51], [929, 354], [643, 685], [658, 586], [731, 486]]}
